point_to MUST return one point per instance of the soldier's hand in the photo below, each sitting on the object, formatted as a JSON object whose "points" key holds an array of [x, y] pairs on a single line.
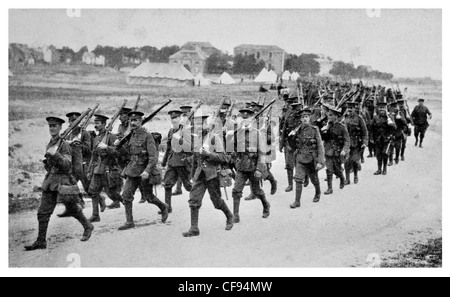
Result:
{"points": [[258, 174], [116, 142], [145, 175], [281, 149], [363, 146], [52, 151], [319, 166], [102, 146], [343, 154]]}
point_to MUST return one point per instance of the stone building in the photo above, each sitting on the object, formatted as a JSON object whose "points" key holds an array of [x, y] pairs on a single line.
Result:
{"points": [[193, 56], [272, 55]]}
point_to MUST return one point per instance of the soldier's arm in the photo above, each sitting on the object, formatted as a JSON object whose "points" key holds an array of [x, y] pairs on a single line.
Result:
{"points": [[320, 148], [111, 148], [346, 148], [63, 158], [152, 153], [428, 112], [365, 133], [168, 148], [86, 143], [220, 158]]}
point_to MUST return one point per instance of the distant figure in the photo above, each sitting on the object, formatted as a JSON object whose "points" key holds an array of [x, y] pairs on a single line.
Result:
{"points": [[419, 118]]}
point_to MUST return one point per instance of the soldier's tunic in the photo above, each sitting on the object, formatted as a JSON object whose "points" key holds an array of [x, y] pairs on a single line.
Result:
{"points": [[336, 140], [382, 135], [123, 130], [58, 169], [399, 135], [206, 177], [104, 169], [143, 157], [292, 121], [81, 155], [407, 133], [420, 120], [357, 131], [309, 152], [178, 165]]}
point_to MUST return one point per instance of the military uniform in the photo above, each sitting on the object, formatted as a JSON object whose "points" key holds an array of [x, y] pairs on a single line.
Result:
{"points": [[143, 158], [407, 133], [206, 168], [286, 142], [420, 121], [309, 152], [359, 139], [178, 168], [336, 142], [383, 130], [104, 172], [58, 167], [398, 136]]}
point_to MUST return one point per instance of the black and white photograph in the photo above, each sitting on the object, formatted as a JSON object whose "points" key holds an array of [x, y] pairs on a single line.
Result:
{"points": [[225, 138]]}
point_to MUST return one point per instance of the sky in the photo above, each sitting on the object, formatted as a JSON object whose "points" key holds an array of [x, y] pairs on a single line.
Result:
{"points": [[405, 42]]}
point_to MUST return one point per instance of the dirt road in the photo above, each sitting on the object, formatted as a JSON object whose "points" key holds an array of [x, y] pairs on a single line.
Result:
{"points": [[380, 214]]}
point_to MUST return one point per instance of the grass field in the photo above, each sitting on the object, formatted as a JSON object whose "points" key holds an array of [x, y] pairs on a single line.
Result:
{"points": [[36, 92]]}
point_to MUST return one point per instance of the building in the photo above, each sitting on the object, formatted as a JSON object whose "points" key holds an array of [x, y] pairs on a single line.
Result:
{"points": [[89, 58], [326, 64], [193, 56], [272, 55]]}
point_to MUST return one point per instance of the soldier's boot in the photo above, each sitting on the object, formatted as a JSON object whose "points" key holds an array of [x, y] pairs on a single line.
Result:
{"points": [[41, 242], [95, 218], [385, 160], [380, 163], [362, 158], [402, 158], [266, 206], [417, 140], [298, 195], [402, 152], [102, 202], [236, 203], [330, 184], [273, 184], [193, 231], [178, 191], [347, 175], [143, 200], [420, 144], [129, 224], [317, 194], [250, 197], [306, 181], [229, 215], [290, 174], [356, 180], [342, 179], [391, 159], [88, 227], [163, 208], [114, 205]]}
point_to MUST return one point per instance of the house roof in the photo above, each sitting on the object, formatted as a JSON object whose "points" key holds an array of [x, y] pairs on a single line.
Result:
{"points": [[259, 47], [195, 54], [200, 44]]}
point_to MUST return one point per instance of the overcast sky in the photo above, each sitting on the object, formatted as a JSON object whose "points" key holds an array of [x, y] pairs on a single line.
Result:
{"points": [[403, 42]]}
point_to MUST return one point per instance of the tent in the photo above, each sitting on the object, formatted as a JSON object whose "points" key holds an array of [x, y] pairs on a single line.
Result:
{"points": [[201, 81], [286, 75], [273, 75], [225, 79], [160, 74], [265, 77], [294, 76]]}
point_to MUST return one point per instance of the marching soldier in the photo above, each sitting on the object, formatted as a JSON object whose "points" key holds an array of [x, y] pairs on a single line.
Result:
{"points": [[420, 121], [309, 156], [369, 109], [124, 127], [337, 146], [290, 124], [399, 134], [358, 134], [59, 186], [176, 162], [383, 127], [141, 170], [250, 165], [104, 169], [206, 166], [405, 114], [80, 145]]}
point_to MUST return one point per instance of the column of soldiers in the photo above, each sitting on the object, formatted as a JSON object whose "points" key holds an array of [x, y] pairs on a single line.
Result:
{"points": [[323, 131]]}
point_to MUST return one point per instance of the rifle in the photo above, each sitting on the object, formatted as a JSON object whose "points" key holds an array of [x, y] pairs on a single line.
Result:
{"points": [[88, 118], [191, 114], [110, 125], [136, 105], [211, 126], [66, 133], [144, 121]]}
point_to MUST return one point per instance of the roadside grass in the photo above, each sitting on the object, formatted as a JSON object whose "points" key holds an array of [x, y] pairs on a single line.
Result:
{"points": [[428, 255]]}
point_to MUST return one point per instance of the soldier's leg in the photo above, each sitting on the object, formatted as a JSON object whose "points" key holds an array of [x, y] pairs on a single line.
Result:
{"points": [[178, 190], [184, 178], [348, 167], [95, 188], [378, 153], [45, 211], [398, 145], [239, 184], [147, 189], [272, 180], [300, 173], [362, 155], [114, 194], [422, 134], [385, 162], [77, 213], [330, 172], [215, 195], [314, 175], [416, 134], [403, 148], [339, 171], [290, 169], [130, 187], [170, 178], [259, 193], [195, 202]]}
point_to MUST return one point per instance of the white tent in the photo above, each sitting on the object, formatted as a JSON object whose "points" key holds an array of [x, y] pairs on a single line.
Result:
{"points": [[286, 75], [273, 75], [160, 74], [201, 81], [225, 79], [265, 77], [294, 76]]}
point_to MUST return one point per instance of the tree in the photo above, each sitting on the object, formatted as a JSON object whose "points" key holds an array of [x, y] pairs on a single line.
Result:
{"points": [[217, 63], [79, 55], [305, 64], [343, 69], [247, 64]]}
